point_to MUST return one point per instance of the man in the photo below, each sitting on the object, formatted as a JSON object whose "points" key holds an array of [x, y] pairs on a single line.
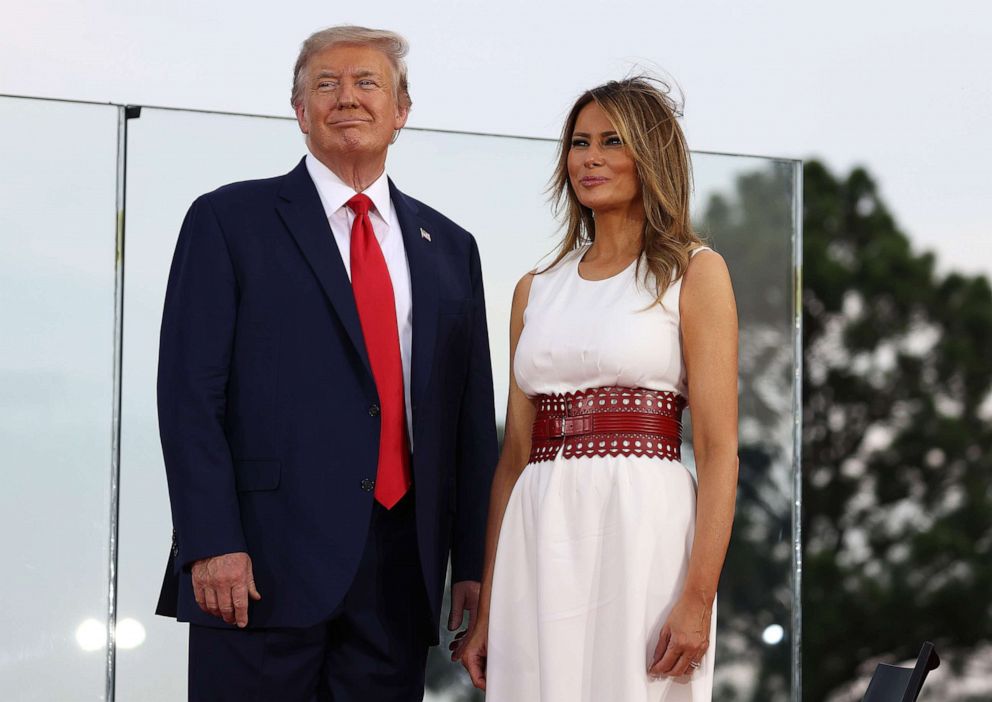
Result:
{"points": [[325, 406]]}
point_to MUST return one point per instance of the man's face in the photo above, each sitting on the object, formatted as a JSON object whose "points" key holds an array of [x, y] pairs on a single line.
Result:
{"points": [[349, 103]]}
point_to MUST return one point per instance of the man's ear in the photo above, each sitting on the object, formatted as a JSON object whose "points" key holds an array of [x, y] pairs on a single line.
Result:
{"points": [[402, 113], [301, 117]]}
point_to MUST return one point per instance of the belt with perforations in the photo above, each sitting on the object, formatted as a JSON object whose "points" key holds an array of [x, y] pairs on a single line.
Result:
{"points": [[608, 421]]}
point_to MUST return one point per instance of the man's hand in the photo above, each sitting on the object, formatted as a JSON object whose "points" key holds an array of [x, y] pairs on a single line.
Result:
{"points": [[464, 595], [222, 586]]}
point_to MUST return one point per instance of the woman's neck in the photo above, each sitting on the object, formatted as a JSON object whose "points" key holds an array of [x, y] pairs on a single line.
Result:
{"points": [[619, 235]]}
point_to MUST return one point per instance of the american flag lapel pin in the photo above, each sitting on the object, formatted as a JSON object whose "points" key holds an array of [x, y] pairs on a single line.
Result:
{"points": [[424, 234]]}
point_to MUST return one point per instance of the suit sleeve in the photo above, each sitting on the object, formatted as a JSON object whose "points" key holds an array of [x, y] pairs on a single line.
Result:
{"points": [[477, 448], [195, 349]]}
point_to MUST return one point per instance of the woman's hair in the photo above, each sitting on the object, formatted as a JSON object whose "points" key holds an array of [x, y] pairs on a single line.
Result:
{"points": [[394, 46], [644, 114]]}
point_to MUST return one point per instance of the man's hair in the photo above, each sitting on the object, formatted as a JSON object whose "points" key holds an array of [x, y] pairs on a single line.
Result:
{"points": [[394, 46]]}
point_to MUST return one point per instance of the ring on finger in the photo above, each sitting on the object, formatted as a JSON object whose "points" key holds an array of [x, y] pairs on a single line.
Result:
{"points": [[694, 664]]}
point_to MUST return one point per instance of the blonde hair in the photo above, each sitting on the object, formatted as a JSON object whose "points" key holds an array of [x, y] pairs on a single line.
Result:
{"points": [[394, 46], [645, 116]]}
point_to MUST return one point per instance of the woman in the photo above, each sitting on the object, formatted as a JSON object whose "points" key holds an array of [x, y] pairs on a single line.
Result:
{"points": [[600, 583]]}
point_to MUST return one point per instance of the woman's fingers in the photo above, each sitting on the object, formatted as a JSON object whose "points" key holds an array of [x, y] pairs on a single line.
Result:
{"points": [[661, 646], [677, 655], [475, 666], [472, 655], [671, 656], [681, 666]]}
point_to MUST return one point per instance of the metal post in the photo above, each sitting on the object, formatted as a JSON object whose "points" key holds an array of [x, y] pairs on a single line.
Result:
{"points": [[797, 438], [124, 113]]}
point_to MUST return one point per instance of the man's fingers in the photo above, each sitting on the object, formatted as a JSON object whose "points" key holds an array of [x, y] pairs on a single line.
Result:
{"points": [[201, 598], [472, 609], [210, 597], [253, 591], [457, 613], [239, 598], [458, 640], [225, 605]]}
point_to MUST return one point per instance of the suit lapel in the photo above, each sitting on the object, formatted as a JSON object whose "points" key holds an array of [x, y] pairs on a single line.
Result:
{"points": [[422, 257], [303, 214]]}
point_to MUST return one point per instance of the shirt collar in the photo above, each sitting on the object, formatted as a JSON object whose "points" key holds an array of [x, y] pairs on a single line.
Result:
{"points": [[334, 193]]}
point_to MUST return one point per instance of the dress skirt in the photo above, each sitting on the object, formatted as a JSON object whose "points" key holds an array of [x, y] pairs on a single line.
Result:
{"points": [[592, 556]]}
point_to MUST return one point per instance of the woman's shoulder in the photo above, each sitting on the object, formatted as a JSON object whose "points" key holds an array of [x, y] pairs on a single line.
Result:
{"points": [[704, 259], [522, 289], [679, 276], [706, 278]]}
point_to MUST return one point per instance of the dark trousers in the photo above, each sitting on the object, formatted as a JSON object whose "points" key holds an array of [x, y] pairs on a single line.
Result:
{"points": [[372, 649]]}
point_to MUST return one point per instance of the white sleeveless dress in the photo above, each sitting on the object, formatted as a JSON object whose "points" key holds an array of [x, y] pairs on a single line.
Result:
{"points": [[593, 551]]}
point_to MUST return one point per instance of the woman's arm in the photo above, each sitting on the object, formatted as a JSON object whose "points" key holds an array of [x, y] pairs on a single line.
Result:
{"points": [[709, 347], [520, 413]]}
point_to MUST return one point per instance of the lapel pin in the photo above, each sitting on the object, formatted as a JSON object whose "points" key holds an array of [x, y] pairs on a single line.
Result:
{"points": [[425, 235]]}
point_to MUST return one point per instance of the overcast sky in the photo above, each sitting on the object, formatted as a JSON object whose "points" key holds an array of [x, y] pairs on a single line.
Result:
{"points": [[902, 88]]}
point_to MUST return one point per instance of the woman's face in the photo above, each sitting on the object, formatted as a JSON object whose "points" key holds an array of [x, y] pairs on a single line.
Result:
{"points": [[602, 173]]}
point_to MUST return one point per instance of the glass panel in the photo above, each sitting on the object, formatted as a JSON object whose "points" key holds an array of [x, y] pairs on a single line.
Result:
{"points": [[57, 233], [173, 157], [746, 207], [502, 204], [747, 204]]}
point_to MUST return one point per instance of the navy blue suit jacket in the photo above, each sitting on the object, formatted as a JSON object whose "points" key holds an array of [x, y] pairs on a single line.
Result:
{"points": [[265, 390]]}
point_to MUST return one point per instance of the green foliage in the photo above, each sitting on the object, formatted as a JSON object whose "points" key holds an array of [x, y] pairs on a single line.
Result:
{"points": [[897, 445]]}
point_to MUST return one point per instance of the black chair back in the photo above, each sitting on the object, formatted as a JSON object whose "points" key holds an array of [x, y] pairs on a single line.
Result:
{"points": [[891, 683]]}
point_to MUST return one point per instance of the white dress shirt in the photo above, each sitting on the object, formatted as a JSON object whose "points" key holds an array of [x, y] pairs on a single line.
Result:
{"points": [[334, 195]]}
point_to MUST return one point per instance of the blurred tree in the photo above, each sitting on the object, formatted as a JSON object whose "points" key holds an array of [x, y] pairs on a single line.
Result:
{"points": [[897, 442]]}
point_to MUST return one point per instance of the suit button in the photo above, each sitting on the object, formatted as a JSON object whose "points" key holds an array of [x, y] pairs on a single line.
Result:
{"points": [[373, 410], [368, 485]]}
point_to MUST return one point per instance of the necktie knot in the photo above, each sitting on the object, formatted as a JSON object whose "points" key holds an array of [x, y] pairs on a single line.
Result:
{"points": [[360, 204]]}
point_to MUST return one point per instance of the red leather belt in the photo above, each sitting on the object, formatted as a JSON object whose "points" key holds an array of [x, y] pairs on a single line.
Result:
{"points": [[608, 421]]}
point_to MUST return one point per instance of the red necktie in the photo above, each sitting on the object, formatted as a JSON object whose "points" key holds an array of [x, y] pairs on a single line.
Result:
{"points": [[377, 312]]}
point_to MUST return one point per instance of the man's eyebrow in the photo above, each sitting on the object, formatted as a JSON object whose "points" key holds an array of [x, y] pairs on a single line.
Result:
{"points": [[358, 73]]}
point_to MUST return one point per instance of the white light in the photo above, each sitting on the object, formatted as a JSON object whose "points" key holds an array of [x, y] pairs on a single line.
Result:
{"points": [[91, 635], [773, 634], [130, 633]]}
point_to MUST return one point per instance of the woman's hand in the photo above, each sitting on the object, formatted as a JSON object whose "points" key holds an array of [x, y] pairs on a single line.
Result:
{"points": [[470, 649], [684, 638]]}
